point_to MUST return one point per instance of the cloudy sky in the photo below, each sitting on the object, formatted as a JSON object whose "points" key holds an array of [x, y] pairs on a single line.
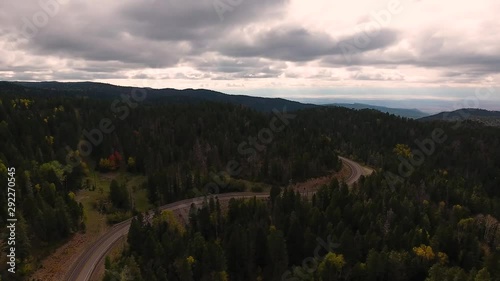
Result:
{"points": [[412, 53]]}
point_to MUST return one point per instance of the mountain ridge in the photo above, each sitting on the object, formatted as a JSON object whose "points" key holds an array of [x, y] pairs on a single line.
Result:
{"points": [[402, 112], [483, 116], [189, 95]]}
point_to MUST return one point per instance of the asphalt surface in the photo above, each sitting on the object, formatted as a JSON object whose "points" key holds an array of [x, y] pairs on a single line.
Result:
{"points": [[83, 268], [356, 170]]}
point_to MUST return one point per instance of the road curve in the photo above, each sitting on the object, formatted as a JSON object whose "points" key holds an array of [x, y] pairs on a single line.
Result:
{"points": [[356, 170], [85, 265]]}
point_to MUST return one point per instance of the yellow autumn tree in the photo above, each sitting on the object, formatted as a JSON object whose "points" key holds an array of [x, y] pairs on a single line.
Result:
{"points": [[331, 265], [220, 276], [131, 162], [402, 150], [105, 164], [49, 140], [424, 252], [173, 223], [442, 258]]}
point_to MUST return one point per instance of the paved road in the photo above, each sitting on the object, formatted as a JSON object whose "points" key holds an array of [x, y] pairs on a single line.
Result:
{"points": [[356, 170], [83, 268]]}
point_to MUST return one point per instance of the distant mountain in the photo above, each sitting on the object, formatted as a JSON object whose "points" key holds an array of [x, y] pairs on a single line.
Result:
{"points": [[108, 91], [403, 112], [486, 117]]}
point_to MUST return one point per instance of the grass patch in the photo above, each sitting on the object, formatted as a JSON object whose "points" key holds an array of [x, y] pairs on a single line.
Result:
{"points": [[95, 221], [96, 201], [246, 185], [135, 186]]}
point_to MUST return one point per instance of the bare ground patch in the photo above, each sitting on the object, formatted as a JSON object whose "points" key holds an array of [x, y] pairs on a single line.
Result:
{"points": [[55, 266], [313, 184]]}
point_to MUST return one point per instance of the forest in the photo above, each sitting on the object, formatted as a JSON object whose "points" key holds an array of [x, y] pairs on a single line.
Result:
{"points": [[438, 220]]}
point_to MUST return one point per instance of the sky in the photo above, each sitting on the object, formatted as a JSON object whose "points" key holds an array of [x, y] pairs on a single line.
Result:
{"points": [[426, 54]]}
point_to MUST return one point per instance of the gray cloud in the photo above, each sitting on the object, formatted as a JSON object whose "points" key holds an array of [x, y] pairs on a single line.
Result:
{"points": [[431, 52], [154, 34], [298, 44], [228, 64], [249, 40], [93, 47], [195, 20], [378, 76]]}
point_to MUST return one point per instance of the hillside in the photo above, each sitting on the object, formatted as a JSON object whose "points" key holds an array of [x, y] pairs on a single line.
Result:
{"points": [[166, 95], [429, 210], [403, 112], [486, 117]]}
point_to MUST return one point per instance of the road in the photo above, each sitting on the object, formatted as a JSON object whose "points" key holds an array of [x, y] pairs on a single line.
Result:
{"points": [[356, 170], [85, 265]]}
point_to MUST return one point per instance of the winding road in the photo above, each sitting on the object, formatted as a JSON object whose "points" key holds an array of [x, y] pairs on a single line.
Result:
{"points": [[356, 170], [85, 265]]}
